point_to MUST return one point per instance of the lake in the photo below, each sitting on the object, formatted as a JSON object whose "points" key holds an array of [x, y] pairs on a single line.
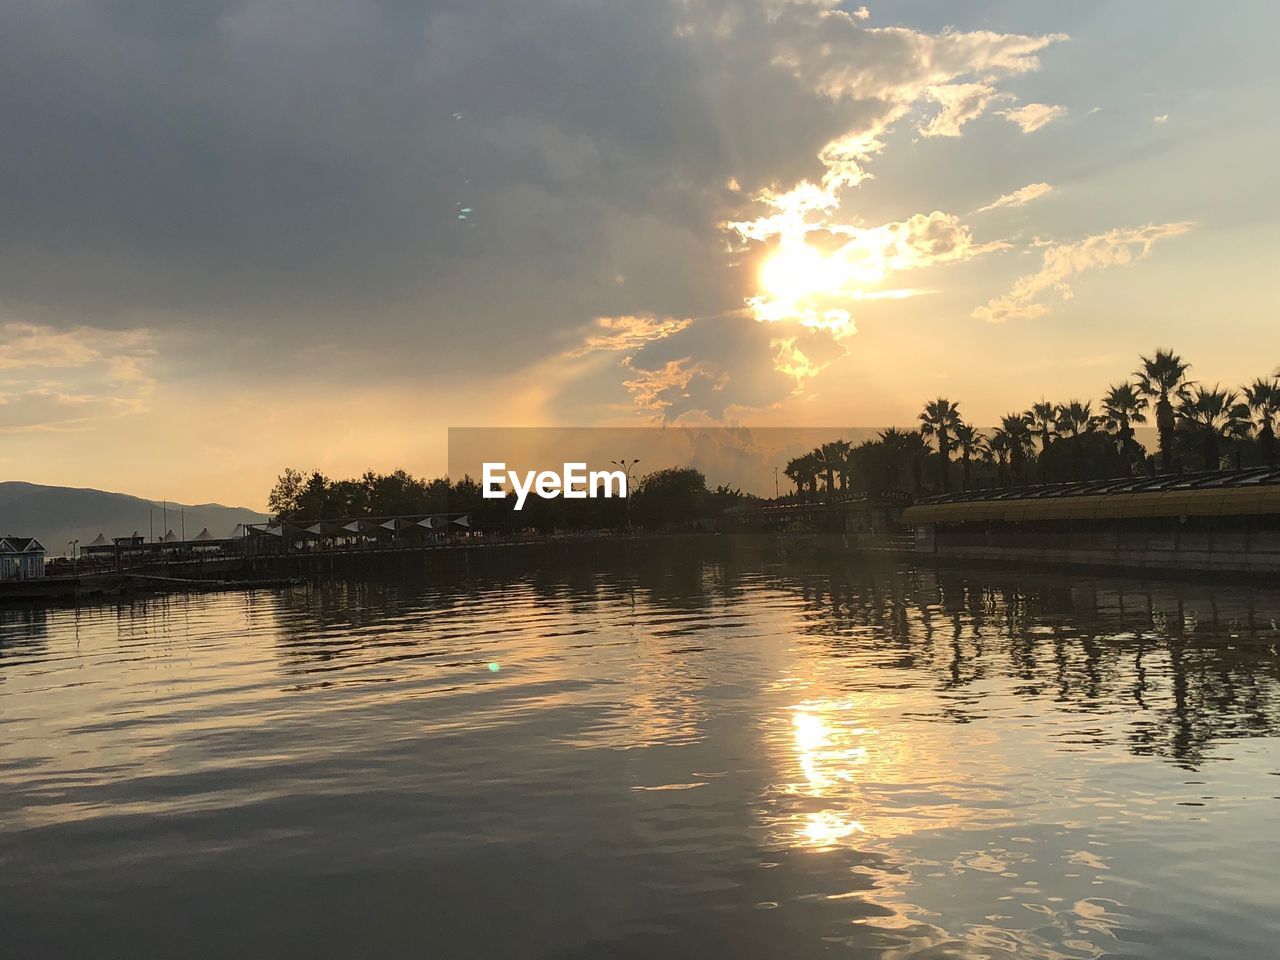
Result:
{"points": [[678, 756]]}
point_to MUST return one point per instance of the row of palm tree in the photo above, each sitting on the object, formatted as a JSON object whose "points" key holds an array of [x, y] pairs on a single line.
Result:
{"points": [[1061, 437]]}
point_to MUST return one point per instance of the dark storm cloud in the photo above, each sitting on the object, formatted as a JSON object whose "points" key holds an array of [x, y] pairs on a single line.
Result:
{"points": [[296, 170]]}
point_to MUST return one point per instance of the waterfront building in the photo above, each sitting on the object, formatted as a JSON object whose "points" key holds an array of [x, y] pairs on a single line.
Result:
{"points": [[1224, 520], [21, 558]]}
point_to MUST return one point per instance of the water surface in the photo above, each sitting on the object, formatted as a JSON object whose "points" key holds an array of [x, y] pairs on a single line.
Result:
{"points": [[674, 758]]}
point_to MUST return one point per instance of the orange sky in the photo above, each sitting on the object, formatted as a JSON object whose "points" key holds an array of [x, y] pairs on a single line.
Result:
{"points": [[322, 245]]}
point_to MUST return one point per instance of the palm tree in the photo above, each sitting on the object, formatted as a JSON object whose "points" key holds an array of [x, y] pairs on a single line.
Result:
{"points": [[834, 460], [803, 471], [1262, 397], [971, 444], [999, 446], [1043, 419], [895, 444], [1075, 418], [1122, 407], [940, 419], [1019, 443], [1163, 378], [794, 471], [917, 451], [842, 453], [1213, 414], [813, 469], [826, 467]]}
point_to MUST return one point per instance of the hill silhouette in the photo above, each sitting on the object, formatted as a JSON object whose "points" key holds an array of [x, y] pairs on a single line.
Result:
{"points": [[57, 515]]}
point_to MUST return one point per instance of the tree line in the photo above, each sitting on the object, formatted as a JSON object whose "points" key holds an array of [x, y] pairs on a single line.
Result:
{"points": [[673, 497], [1197, 427]]}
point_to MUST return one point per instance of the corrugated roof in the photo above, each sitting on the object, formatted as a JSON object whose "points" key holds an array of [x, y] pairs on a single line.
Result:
{"points": [[1235, 493]]}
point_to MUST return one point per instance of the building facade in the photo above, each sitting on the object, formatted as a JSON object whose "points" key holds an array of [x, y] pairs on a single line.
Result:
{"points": [[21, 558], [1225, 521]]}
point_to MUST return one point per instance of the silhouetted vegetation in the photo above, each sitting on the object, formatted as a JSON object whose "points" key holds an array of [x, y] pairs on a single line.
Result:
{"points": [[665, 499], [1197, 427]]}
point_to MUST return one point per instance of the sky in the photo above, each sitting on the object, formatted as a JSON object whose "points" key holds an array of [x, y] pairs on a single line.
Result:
{"points": [[240, 236]]}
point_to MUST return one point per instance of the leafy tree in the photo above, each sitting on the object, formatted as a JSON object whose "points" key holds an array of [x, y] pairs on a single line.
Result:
{"points": [[309, 497], [671, 497], [285, 497], [313, 503], [724, 497]]}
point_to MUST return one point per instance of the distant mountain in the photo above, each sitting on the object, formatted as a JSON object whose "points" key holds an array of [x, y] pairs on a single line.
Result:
{"points": [[58, 515]]}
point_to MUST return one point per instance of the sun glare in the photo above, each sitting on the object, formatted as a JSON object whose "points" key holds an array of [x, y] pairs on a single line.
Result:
{"points": [[796, 271]]}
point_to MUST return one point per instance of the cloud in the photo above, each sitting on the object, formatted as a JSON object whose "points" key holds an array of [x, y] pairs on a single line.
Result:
{"points": [[961, 102], [627, 333], [1063, 262], [294, 186], [815, 270], [658, 390], [1162, 118], [26, 346], [298, 178], [54, 379], [837, 56], [47, 410], [1020, 197], [1032, 116], [803, 361], [816, 261]]}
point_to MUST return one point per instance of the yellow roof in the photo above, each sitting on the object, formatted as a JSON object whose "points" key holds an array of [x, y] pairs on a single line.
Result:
{"points": [[1229, 501]]}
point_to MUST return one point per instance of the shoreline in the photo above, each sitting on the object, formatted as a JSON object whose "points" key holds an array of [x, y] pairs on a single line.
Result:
{"points": [[302, 568]]}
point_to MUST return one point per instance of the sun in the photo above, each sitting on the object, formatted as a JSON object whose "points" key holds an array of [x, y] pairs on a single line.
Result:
{"points": [[797, 271]]}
